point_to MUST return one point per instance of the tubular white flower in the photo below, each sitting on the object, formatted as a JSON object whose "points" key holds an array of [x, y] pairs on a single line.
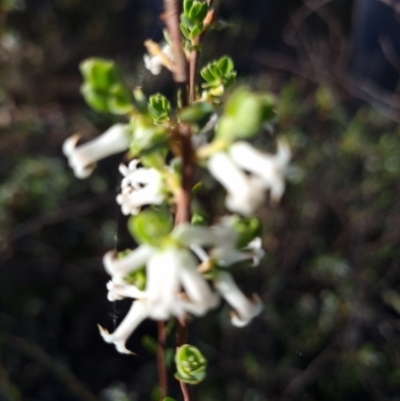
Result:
{"points": [[83, 158], [245, 193], [154, 63], [170, 270], [269, 168], [137, 313], [118, 268], [244, 309], [139, 187]]}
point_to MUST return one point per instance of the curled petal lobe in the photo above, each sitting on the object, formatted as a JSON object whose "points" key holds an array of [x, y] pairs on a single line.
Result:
{"points": [[244, 309], [83, 158], [117, 292], [118, 268], [137, 313]]}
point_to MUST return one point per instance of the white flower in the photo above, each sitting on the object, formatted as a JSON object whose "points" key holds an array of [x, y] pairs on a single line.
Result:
{"points": [[245, 193], [222, 240], [83, 158], [159, 57], [169, 272], [139, 187], [267, 167], [244, 309]]}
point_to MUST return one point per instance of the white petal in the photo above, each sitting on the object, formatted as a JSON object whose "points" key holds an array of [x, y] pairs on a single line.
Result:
{"points": [[118, 291], [83, 158], [163, 284], [153, 64], [195, 286], [137, 313], [244, 309], [245, 193], [118, 268], [269, 168]]}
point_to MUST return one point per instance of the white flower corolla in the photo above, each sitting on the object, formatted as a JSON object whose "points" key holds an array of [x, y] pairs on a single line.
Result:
{"points": [[119, 268], [245, 193], [244, 309], [159, 57], [174, 288], [139, 187], [221, 239], [83, 158], [267, 167]]}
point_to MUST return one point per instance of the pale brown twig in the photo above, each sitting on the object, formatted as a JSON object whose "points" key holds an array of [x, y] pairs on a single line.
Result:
{"points": [[171, 18]]}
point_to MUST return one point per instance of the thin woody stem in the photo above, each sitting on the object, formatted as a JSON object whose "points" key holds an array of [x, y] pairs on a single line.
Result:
{"points": [[171, 19], [183, 212]]}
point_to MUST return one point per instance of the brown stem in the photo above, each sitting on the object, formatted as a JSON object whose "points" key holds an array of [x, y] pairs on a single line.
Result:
{"points": [[171, 19], [192, 76], [162, 369]]}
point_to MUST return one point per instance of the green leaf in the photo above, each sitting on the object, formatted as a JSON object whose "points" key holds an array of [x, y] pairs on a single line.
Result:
{"points": [[120, 100], [206, 74], [247, 229], [196, 113], [196, 31], [198, 11], [150, 226], [99, 73], [186, 21], [187, 5], [95, 99], [199, 219], [225, 65], [185, 31], [147, 137]]}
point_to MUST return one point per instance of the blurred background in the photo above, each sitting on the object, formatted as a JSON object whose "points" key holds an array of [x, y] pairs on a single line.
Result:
{"points": [[330, 280]]}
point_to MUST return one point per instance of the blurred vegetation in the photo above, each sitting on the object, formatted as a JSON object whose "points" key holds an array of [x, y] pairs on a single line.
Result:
{"points": [[330, 280]]}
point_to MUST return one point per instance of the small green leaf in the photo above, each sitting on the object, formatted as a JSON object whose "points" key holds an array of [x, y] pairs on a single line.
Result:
{"points": [[206, 74], [198, 11], [199, 219], [196, 31], [247, 229], [185, 31], [150, 226], [186, 21], [99, 73], [147, 136], [187, 5], [119, 100], [96, 100], [225, 65], [196, 113]]}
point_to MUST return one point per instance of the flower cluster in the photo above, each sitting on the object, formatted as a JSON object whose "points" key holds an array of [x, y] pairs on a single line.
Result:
{"points": [[175, 282]]}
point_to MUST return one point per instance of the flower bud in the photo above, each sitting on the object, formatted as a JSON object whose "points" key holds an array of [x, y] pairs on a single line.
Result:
{"points": [[150, 227], [191, 364]]}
